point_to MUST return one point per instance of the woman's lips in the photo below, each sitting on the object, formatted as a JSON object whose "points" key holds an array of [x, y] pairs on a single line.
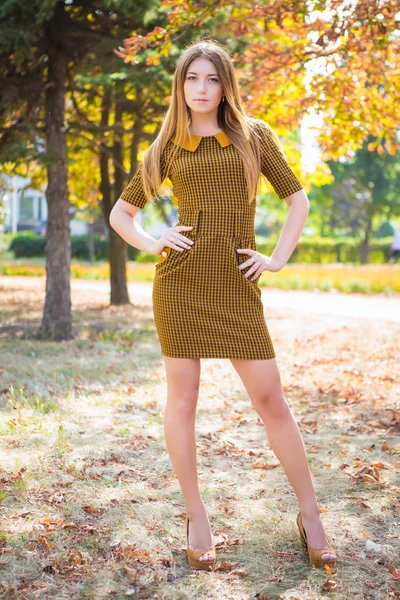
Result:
{"points": [[198, 100]]}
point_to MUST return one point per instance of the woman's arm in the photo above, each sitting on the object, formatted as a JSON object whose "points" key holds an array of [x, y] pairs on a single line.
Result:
{"points": [[299, 207], [122, 221], [122, 215], [277, 170]]}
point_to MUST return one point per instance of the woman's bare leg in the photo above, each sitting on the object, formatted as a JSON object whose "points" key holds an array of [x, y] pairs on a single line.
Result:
{"points": [[262, 381], [183, 382]]}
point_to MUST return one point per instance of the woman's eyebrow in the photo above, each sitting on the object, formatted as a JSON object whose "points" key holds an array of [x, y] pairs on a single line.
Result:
{"points": [[194, 73]]}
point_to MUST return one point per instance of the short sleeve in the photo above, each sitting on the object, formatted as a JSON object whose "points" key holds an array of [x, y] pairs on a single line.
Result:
{"points": [[274, 164], [134, 193]]}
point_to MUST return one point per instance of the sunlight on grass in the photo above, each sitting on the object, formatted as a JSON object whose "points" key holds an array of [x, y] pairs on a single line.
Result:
{"points": [[88, 488], [346, 278]]}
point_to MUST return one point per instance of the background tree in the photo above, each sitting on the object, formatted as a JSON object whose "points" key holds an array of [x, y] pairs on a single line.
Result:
{"points": [[364, 191], [115, 115], [39, 44]]}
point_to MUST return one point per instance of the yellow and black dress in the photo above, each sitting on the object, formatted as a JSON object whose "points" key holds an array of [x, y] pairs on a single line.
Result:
{"points": [[203, 305]]}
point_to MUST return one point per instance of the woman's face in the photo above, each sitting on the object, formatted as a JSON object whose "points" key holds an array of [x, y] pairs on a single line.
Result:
{"points": [[202, 82]]}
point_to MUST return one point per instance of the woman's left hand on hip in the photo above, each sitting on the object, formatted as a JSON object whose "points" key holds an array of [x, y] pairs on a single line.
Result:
{"points": [[258, 263]]}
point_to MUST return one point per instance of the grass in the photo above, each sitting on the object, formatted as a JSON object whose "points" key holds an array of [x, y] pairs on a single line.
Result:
{"points": [[91, 508]]}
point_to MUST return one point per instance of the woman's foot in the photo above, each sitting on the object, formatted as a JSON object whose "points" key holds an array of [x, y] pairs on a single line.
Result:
{"points": [[316, 537], [200, 534]]}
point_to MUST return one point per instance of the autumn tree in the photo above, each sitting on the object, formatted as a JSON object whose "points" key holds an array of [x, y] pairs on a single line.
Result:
{"points": [[293, 56], [337, 61], [40, 43], [114, 115]]}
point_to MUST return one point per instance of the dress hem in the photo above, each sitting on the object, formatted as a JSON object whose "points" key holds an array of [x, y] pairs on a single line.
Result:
{"points": [[268, 357]]}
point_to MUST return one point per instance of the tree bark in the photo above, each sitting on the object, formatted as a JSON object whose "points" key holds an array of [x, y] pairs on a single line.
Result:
{"points": [[364, 248], [91, 248], [117, 246], [57, 318], [105, 186]]}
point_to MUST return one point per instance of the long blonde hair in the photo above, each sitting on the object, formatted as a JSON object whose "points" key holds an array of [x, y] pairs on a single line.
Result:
{"points": [[232, 119]]}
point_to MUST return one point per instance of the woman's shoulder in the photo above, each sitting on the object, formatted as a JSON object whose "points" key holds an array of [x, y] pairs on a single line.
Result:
{"points": [[259, 125], [167, 149]]}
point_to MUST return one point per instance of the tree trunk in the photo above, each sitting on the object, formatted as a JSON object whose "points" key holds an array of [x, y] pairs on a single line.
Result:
{"points": [[117, 252], [57, 318], [136, 131], [118, 246], [364, 248], [91, 242]]}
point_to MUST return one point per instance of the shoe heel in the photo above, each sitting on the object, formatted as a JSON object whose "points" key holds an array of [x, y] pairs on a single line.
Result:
{"points": [[314, 554]]}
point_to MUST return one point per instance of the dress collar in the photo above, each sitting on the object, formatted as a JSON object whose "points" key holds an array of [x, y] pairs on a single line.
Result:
{"points": [[191, 141]]}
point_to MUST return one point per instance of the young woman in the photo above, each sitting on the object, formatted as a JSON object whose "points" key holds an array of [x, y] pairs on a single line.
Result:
{"points": [[206, 299]]}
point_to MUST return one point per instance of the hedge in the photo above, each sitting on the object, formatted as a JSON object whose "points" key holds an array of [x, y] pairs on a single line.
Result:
{"points": [[25, 245], [309, 250], [317, 250]]}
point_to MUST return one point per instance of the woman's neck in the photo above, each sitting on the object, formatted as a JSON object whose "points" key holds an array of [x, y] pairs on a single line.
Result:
{"points": [[204, 127]]}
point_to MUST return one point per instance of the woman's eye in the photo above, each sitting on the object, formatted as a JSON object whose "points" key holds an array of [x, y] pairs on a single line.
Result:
{"points": [[212, 78]]}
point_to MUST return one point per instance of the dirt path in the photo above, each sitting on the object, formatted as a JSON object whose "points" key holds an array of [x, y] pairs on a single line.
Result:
{"points": [[376, 307]]}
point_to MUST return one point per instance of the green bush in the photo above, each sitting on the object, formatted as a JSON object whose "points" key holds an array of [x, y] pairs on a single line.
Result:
{"points": [[317, 250], [29, 244], [309, 250]]}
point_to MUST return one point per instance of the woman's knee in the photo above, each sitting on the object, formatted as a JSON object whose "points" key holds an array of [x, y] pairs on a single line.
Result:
{"points": [[183, 383], [182, 405], [272, 405]]}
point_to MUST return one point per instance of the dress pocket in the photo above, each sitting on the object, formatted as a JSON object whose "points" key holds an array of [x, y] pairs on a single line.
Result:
{"points": [[171, 259], [174, 260]]}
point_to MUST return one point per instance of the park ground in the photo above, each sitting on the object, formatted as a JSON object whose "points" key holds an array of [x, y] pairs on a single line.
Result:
{"points": [[90, 505]]}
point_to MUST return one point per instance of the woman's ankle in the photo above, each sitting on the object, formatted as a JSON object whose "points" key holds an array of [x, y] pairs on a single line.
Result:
{"points": [[196, 510], [310, 512]]}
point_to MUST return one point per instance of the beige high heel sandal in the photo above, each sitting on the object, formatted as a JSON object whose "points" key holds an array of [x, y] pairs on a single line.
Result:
{"points": [[194, 555], [315, 553]]}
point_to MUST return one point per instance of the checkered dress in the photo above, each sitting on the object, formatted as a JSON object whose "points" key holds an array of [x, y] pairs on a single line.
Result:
{"points": [[203, 305]]}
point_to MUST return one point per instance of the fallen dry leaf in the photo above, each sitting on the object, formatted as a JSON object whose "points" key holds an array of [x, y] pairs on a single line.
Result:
{"points": [[328, 569], [91, 510], [225, 565], [261, 465], [132, 573], [393, 571], [240, 572], [329, 586], [69, 526]]}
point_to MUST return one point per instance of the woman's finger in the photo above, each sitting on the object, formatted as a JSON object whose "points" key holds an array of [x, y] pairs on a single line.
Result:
{"points": [[250, 260], [181, 242], [252, 270]]}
